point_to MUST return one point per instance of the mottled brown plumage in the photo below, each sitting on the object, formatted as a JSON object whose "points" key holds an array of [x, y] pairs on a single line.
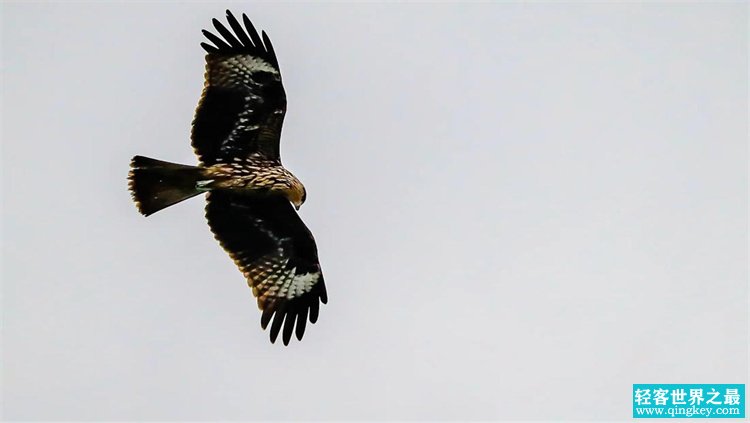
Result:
{"points": [[251, 196]]}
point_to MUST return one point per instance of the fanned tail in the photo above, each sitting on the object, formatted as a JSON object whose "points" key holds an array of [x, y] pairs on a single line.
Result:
{"points": [[155, 184]]}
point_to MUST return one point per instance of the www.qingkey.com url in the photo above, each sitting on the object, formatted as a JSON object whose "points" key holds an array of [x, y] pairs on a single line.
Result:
{"points": [[687, 411]]}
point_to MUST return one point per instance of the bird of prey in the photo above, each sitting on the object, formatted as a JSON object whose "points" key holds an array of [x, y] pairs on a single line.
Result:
{"points": [[251, 198]]}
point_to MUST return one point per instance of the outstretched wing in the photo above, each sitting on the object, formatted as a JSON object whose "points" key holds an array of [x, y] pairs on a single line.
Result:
{"points": [[277, 254], [243, 103]]}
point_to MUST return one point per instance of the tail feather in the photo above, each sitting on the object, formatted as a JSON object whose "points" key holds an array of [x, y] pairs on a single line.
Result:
{"points": [[155, 184]]}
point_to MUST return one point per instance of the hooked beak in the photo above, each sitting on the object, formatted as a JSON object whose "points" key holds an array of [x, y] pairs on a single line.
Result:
{"points": [[297, 206]]}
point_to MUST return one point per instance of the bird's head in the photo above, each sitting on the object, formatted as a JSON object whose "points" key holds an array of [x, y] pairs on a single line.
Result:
{"points": [[296, 193]]}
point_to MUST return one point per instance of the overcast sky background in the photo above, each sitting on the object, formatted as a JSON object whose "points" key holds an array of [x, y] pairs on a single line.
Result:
{"points": [[521, 210]]}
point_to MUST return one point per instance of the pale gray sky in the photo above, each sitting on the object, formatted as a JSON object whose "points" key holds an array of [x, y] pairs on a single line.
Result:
{"points": [[521, 210]]}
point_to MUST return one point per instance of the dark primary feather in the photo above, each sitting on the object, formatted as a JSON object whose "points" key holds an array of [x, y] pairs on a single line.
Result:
{"points": [[242, 108], [253, 33], [270, 243], [237, 41], [227, 34]]}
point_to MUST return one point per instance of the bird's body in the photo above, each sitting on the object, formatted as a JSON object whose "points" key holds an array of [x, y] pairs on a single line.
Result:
{"points": [[254, 176], [251, 196]]}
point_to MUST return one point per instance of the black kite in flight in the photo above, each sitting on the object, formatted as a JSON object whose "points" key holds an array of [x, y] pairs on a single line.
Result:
{"points": [[251, 197]]}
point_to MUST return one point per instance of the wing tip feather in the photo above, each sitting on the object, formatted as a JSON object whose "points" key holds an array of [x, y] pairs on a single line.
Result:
{"points": [[243, 41], [291, 317]]}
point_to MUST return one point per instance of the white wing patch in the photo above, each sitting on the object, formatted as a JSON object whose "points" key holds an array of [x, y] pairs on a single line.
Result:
{"points": [[301, 284], [238, 70], [251, 64], [271, 277]]}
